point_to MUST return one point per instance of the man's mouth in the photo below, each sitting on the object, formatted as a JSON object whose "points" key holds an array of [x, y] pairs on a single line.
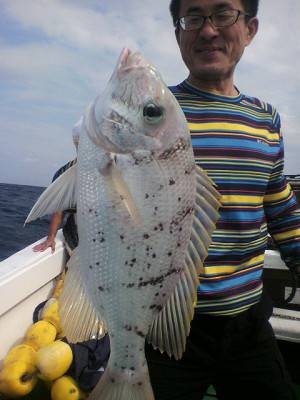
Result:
{"points": [[208, 49]]}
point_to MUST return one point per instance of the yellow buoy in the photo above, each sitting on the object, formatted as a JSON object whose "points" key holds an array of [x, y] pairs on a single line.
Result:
{"points": [[17, 379], [21, 352], [40, 334], [66, 388], [54, 360]]}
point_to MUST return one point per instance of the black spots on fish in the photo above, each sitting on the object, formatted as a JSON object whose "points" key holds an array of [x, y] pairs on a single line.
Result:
{"points": [[148, 249], [132, 369], [90, 267], [139, 332], [140, 383], [159, 227], [149, 265], [128, 328], [159, 279], [178, 244], [157, 307], [112, 380], [156, 294], [189, 170], [90, 210], [170, 254], [147, 196], [122, 237], [101, 288], [152, 281], [97, 263], [180, 216], [146, 236], [180, 145], [179, 199], [132, 262], [153, 255], [101, 236], [142, 159], [130, 285], [171, 182]]}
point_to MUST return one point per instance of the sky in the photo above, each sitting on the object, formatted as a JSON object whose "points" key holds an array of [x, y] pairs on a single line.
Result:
{"points": [[57, 55]]}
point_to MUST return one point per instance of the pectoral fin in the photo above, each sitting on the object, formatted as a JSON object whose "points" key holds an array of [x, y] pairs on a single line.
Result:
{"points": [[59, 196], [113, 173]]}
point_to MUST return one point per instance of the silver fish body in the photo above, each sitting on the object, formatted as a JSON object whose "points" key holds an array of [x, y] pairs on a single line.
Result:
{"points": [[130, 267]]}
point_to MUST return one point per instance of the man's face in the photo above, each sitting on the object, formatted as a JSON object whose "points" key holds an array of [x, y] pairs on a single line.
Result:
{"points": [[212, 53]]}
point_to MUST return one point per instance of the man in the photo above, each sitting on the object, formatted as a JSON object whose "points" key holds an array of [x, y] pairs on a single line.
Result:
{"points": [[237, 140]]}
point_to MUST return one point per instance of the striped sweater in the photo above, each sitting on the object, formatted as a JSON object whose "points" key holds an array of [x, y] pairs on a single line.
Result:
{"points": [[238, 141]]}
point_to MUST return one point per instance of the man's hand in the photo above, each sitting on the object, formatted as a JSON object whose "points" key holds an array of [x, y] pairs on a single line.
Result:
{"points": [[56, 220], [49, 242]]}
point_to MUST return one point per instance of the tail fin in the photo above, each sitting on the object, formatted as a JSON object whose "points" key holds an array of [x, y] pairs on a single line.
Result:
{"points": [[109, 388]]}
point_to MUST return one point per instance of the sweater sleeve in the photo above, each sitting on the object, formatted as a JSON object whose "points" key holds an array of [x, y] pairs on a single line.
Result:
{"points": [[281, 208]]}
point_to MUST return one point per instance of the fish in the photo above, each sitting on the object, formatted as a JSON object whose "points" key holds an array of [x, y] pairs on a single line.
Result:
{"points": [[145, 216]]}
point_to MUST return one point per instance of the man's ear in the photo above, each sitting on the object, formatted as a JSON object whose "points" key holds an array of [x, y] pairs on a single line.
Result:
{"points": [[252, 27]]}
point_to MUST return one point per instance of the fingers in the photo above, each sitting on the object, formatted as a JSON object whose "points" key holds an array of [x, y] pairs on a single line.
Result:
{"points": [[52, 246], [44, 245], [39, 247]]}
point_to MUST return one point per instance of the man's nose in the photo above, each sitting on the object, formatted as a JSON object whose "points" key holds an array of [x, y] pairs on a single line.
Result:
{"points": [[208, 29]]}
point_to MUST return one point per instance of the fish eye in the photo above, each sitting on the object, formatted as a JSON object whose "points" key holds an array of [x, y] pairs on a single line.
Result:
{"points": [[153, 113]]}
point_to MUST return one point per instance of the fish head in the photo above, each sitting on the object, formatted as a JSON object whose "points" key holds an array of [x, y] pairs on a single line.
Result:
{"points": [[137, 111]]}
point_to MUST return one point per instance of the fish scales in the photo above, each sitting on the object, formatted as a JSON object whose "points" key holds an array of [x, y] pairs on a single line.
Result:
{"points": [[134, 267]]}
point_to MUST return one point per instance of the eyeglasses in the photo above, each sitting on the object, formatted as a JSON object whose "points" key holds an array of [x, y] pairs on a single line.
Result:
{"points": [[218, 19]]}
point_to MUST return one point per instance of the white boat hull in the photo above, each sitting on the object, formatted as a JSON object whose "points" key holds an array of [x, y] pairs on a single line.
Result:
{"points": [[26, 279]]}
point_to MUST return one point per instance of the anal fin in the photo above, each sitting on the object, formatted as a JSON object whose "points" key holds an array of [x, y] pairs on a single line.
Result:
{"points": [[79, 318]]}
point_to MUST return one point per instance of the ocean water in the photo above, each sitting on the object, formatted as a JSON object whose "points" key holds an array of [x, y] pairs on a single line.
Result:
{"points": [[15, 203]]}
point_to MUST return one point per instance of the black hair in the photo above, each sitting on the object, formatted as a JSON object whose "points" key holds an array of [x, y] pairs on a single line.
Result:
{"points": [[250, 7]]}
